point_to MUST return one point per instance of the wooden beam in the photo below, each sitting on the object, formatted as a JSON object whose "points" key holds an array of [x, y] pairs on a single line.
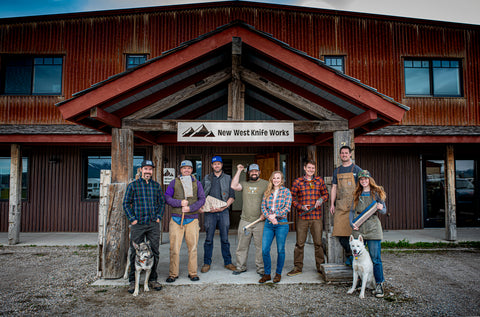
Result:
{"points": [[180, 96], [15, 195], [416, 139], [450, 202], [122, 155], [362, 119], [105, 117], [146, 137], [236, 89], [57, 139], [171, 125], [335, 253], [287, 95]]}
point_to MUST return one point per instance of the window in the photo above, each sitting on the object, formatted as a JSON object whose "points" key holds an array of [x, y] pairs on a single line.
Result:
{"points": [[432, 77], [96, 163], [5, 178], [336, 62], [32, 75], [135, 60]]}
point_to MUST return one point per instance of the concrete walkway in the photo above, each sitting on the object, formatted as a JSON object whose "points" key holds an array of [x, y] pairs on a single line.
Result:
{"points": [[218, 274]]}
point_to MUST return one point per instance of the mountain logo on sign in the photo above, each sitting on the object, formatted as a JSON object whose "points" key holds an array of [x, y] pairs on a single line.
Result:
{"points": [[201, 131]]}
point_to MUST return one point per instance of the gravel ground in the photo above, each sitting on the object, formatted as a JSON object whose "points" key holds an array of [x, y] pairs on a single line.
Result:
{"points": [[57, 280]]}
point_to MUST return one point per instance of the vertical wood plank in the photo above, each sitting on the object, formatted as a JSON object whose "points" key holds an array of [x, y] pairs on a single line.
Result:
{"points": [[236, 89], [122, 155], [15, 195], [334, 248], [450, 203], [116, 225], [105, 180], [157, 158]]}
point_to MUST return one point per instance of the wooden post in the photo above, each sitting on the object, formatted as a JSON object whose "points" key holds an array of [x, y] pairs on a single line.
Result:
{"points": [[117, 240], [450, 203], [236, 89], [15, 195], [105, 180], [157, 159], [334, 248]]}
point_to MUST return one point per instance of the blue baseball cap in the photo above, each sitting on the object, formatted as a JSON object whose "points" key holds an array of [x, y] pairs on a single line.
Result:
{"points": [[217, 159], [186, 163]]}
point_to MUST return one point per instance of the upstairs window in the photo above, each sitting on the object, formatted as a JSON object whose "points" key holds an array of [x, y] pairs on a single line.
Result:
{"points": [[32, 75], [435, 77], [135, 60], [336, 62]]}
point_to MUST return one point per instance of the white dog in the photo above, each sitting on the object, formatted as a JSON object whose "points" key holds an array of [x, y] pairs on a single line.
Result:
{"points": [[362, 266], [143, 262]]}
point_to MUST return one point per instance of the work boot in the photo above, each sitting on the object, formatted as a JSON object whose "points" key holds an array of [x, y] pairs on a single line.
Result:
{"points": [[155, 285], [294, 272], [131, 287], [265, 277], [379, 290], [238, 272], [205, 268], [230, 267], [277, 278]]}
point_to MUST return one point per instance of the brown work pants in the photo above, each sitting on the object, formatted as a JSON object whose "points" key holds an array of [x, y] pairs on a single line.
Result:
{"points": [[191, 233], [316, 229]]}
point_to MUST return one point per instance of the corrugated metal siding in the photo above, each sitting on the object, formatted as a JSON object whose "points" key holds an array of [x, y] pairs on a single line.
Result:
{"points": [[95, 48], [399, 171], [54, 198], [55, 204]]}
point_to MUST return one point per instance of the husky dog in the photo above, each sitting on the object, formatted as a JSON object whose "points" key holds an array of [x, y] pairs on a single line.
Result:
{"points": [[143, 261], [362, 266]]}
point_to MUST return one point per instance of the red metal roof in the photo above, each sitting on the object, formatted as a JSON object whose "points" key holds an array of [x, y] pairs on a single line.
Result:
{"points": [[142, 93]]}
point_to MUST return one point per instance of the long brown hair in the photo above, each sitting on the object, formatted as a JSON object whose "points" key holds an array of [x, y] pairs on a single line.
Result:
{"points": [[270, 184], [375, 190]]}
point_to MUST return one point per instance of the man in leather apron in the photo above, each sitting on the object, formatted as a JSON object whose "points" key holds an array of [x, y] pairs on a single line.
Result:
{"points": [[343, 185]]}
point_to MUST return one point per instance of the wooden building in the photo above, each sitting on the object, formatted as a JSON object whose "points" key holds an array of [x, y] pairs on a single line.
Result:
{"points": [[77, 90]]}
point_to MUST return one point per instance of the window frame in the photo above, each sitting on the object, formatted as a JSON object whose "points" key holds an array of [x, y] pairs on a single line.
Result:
{"points": [[25, 184], [137, 55], [99, 152], [331, 57], [31, 62], [431, 76]]}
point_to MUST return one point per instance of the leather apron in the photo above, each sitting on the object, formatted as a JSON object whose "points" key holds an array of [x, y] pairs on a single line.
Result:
{"points": [[345, 188]]}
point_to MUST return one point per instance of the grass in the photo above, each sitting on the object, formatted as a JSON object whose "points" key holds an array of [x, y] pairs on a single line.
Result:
{"points": [[405, 244]]}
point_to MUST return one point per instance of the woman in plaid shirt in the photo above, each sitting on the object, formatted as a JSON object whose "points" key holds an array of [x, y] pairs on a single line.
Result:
{"points": [[276, 204]]}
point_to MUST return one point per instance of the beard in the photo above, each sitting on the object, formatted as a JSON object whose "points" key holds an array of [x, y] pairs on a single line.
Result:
{"points": [[254, 177]]}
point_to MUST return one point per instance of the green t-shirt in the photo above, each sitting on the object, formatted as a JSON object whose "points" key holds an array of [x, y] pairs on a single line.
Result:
{"points": [[252, 195]]}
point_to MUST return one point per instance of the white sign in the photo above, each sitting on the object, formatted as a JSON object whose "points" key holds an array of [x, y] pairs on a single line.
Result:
{"points": [[235, 132], [168, 175]]}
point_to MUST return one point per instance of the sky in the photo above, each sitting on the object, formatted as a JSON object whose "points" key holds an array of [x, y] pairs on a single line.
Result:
{"points": [[463, 11]]}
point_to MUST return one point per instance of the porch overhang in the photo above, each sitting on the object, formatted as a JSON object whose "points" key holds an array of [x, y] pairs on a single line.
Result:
{"points": [[239, 69]]}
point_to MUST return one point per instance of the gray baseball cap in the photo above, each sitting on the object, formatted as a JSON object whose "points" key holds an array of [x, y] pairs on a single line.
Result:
{"points": [[186, 163], [253, 167]]}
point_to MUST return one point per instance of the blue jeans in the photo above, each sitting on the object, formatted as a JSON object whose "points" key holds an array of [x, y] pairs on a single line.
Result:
{"points": [[375, 249], [269, 232], [212, 220]]}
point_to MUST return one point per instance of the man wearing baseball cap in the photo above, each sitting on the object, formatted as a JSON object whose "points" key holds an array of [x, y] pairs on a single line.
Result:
{"points": [[217, 184], [185, 195], [252, 195], [144, 205]]}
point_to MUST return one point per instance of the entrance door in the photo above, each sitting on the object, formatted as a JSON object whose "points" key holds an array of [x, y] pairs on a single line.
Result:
{"points": [[268, 163]]}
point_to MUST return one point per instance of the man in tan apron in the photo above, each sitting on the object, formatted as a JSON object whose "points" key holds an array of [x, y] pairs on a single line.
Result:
{"points": [[343, 185]]}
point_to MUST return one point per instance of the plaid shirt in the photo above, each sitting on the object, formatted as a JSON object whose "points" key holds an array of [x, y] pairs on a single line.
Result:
{"points": [[144, 201], [306, 192], [282, 204]]}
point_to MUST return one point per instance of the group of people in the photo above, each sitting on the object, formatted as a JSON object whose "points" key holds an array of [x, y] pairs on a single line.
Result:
{"points": [[265, 209]]}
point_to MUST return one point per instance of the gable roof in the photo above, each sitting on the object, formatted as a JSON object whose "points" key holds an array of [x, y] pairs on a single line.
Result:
{"points": [[192, 80]]}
